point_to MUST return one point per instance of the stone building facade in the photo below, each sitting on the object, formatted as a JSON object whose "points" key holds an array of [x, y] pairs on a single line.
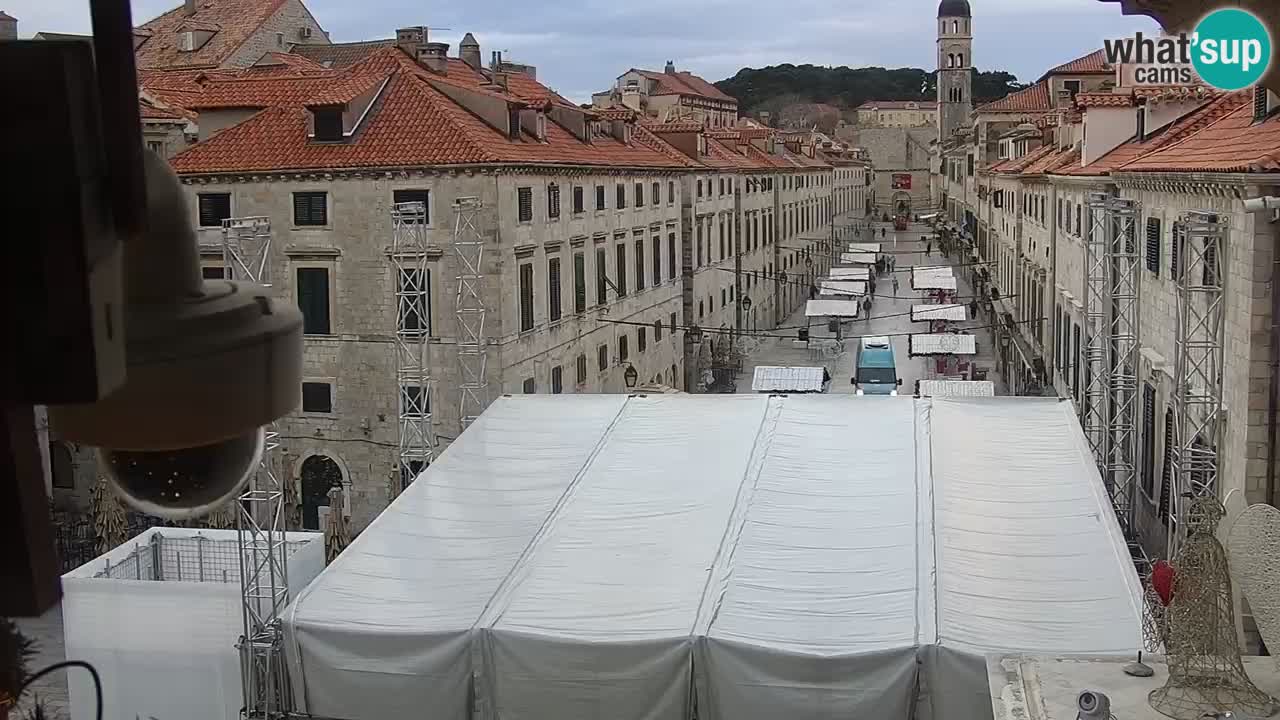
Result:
{"points": [[670, 96]]}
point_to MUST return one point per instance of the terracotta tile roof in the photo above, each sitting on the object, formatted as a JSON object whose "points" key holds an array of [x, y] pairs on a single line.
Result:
{"points": [[340, 55], [683, 83], [255, 92], [1176, 92], [681, 126], [1032, 99], [1016, 165], [1230, 143], [1104, 99], [343, 91], [898, 105], [1176, 131], [617, 113], [1095, 63], [278, 63], [411, 125], [234, 20], [148, 110], [6, 16]]}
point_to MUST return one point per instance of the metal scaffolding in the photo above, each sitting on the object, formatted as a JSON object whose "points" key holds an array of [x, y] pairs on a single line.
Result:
{"points": [[1198, 258], [1110, 354], [416, 439], [264, 586], [469, 305]]}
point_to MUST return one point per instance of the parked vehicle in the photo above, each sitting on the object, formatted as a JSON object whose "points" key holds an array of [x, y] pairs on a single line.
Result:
{"points": [[875, 372]]}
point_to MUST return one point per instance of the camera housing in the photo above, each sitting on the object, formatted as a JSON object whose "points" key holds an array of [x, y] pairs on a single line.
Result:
{"points": [[208, 364], [1093, 705]]}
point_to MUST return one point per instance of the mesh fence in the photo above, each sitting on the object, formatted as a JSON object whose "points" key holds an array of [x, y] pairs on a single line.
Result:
{"points": [[182, 559]]}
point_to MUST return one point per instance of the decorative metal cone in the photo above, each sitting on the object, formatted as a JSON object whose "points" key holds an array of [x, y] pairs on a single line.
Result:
{"points": [[109, 522], [1206, 674], [337, 531]]}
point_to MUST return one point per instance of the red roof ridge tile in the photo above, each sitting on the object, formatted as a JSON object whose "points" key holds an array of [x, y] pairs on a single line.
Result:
{"points": [[1027, 100]]}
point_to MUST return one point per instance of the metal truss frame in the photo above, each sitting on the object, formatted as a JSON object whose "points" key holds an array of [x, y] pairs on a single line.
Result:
{"points": [[1093, 351], [1199, 256], [264, 584], [416, 439], [470, 310]]}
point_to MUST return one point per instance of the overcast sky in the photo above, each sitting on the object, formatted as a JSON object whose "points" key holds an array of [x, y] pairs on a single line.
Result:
{"points": [[580, 46]]}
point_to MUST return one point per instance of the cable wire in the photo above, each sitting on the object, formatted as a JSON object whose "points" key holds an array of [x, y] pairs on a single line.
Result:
{"points": [[93, 672]]}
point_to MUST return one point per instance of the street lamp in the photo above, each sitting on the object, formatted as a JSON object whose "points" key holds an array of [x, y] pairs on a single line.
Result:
{"points": [[746, 303], [694, 334], [808, 262], [630, 376]]}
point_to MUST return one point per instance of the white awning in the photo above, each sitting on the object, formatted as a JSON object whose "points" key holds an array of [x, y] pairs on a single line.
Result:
{"points": [[957, 388], [842, 287], [848, 273], [932, 278], [942, 344], [858, 258], [772, 378], [831, 308], [863, 247], [951, 312]]}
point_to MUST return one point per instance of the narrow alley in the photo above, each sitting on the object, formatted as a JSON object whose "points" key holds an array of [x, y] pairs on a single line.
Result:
{"points": [[890, 315]]}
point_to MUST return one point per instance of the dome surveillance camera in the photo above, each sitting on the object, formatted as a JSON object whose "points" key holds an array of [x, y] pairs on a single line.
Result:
{"points": [[1093, 705], [209, 363]]}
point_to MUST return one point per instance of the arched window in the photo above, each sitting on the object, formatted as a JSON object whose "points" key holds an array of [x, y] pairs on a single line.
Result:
{"points": [[960, 60], [955, 26], [319, 475], [951, 60], [61, 467]]}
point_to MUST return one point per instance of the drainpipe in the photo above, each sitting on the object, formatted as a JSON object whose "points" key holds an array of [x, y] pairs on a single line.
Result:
{"points": [[1256, 205]]}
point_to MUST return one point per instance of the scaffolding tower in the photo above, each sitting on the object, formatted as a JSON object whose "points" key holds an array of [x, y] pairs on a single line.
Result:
{"points": [[1199, 244], [416, 440], [264, 587], [1110, 356], [470, 309]]}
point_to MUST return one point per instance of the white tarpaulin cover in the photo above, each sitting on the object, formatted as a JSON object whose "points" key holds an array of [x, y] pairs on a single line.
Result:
{"points": [[584, 557], [772, 378], [950, 312], [848, 273], [842, 287], [957, 388], [831, 308], [932, 278], [863, 247], [942, 344], [858, 258]]}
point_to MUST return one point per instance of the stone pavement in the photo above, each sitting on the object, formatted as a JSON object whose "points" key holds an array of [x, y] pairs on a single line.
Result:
{"points": [[890, 315], [51, 689]]}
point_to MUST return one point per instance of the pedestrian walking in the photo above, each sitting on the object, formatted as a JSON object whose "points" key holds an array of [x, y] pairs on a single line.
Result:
{"points": [[895, 284], [928, 247], [973, 308], [881, 232], [866, 306], [813, 291], [871, 284]]}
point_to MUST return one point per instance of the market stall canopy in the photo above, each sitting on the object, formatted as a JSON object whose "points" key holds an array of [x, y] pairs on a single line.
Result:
{"points": [[942, 344], [858, 258], [801, 556], [842, 287], [863, 247], [848, 273], [932, 278], [831, 308], [772, 378], [957, 388], [950, 312]]}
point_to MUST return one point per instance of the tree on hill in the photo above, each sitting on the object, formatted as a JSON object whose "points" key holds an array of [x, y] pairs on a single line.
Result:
{"points": [[779, 86]]}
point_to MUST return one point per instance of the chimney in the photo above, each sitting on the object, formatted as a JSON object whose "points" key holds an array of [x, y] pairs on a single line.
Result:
{"points": [[435, 57], [189, 7], [8, 26], [469, 51], [670, 69], [409, 39]]}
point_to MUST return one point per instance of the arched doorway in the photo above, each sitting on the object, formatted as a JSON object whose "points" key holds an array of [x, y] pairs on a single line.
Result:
{"points": [[319, 474], [902, 203], [61, 466]]}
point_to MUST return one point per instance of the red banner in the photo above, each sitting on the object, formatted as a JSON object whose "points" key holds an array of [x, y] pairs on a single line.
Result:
{"points": [[901, 181]]}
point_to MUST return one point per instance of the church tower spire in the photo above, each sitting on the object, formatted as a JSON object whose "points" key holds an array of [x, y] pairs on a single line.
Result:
{"points": [[955, 66]]}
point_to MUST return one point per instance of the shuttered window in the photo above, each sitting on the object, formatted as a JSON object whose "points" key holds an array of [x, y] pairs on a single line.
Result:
{"points": [[671, 256], [641, 338], [600, 204], [657, 330], [578, 201], [553, 288], [1166, 473], [1209, 275], [621, 192], [557, 380], [582, 369], [311, 209], [579, 283], [524, 204], [622, 348], [639, 264], [214, 208], [1153, 245], [313, 300], [1176, 236], [620, 272], [1149, 440], [655, 249], [602, 357], [553, 201], [639, 194], [526, 297], [602, 286]]}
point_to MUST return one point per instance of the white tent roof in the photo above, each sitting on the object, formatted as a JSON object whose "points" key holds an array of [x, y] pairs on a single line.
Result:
{"points": [[842, 287], [849, 273], [771, 378], [831, 308], [942, 344], [932, 278], [858, 258], [948, 311], [957, 388], [577, 556], [863, 247]]}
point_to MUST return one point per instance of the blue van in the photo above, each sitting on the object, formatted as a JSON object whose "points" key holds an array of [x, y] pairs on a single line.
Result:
{"points": [[875, 372]]}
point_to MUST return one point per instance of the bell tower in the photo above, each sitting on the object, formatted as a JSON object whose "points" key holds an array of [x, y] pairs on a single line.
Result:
{"points": [[955, 66]]}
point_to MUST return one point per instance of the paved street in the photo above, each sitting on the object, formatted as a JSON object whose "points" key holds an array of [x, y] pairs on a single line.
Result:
{"points": [[51, 689], [890, 315]]}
